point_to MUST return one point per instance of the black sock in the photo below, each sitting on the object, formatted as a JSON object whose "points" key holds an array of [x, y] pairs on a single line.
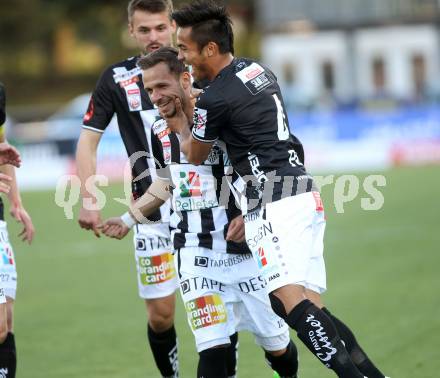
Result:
{"points": [[358, 356], [285, 365], [8, 357], [317, 332], [212, 363], [164, 348], [232, 355]]}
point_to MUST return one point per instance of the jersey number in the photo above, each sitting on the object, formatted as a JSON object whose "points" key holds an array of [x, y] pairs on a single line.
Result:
{"points": [[283, 130]]}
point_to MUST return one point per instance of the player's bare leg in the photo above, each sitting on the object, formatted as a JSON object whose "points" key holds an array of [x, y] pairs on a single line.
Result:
{"points": [[8, 358], [357, 355], [162, 335]]}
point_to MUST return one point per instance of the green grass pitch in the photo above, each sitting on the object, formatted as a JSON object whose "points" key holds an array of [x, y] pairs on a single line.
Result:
{"points": [[78, 314]]}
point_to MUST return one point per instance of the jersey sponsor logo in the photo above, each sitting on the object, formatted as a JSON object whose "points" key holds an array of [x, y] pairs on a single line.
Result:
{"points": [[255, 78], [261, 258], [294, 159], [262, 232], [123, 77], [214, 156], [201, 283], [201, 261], [156, 269], [134, 98], [190, 184], [90, 111], [162, 134], [200, 119], [193, 191], [255, 167], [7, 256], [318, 201], [152, 243], [206, 311], [128, 82], [205, 262], [252, 285]]}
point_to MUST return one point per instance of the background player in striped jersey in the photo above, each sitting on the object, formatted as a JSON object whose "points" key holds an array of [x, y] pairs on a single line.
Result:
{"points": [[243, 107], [219, 280], [120, 90], [8, 272]]}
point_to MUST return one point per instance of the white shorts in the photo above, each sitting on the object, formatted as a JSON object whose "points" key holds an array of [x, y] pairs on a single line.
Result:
{"points": [[8, 272], [2, 296], [288, 244], [156, 275], [223, 293]]}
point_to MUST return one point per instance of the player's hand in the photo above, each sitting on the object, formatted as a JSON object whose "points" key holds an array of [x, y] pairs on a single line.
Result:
{"points": [[89, 220], [236, 230], [9, 155], [4, 183], [195, 92], [114, 228], [21, 215], [176, 120]]}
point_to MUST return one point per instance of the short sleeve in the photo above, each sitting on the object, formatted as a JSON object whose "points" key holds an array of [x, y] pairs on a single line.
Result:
{"points": [[210, 113], [101, 107]]}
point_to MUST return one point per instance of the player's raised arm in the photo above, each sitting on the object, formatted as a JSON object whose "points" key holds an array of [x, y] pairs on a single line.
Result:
{"points": [[156, 195]]}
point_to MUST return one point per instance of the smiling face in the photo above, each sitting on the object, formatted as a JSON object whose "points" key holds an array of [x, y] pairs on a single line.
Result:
{"points": [[190, 54], [151, 30], [164, 87]]}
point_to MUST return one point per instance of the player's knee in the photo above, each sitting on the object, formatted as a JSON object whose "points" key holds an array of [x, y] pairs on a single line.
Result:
{"points": [[160, 321], [277, 306], [3, 332]]}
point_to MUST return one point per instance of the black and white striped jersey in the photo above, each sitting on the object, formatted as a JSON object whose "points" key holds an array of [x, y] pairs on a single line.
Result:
{"points": [[202, 205], [120, 90]]}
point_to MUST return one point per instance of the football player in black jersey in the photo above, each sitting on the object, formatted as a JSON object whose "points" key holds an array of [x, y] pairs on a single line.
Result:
{"points": [[8, 273], [243, 106], [206, 247], [119, 91]]}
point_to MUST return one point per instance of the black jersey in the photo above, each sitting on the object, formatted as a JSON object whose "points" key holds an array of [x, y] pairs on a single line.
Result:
{"points": [[244, 108], [120, 90], [201, 205]]}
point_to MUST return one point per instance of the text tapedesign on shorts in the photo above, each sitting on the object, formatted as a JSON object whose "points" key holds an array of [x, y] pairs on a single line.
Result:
{"points": [[206, 311], [156, 269], [320, 340]]}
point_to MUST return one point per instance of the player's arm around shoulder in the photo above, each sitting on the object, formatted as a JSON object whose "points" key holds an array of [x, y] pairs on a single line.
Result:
{"points": [[210, 113]]}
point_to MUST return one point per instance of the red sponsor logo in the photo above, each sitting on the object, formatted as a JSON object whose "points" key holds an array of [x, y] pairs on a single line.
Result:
{"points": [[253, 73], [134, 91], [163, 133], [262, 261], [318, 201], [90, 111], [132, 80]]}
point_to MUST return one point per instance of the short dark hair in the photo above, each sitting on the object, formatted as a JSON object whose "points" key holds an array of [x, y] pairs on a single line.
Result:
{"points": [[151, 6], [209, 21], [167, 55]]}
